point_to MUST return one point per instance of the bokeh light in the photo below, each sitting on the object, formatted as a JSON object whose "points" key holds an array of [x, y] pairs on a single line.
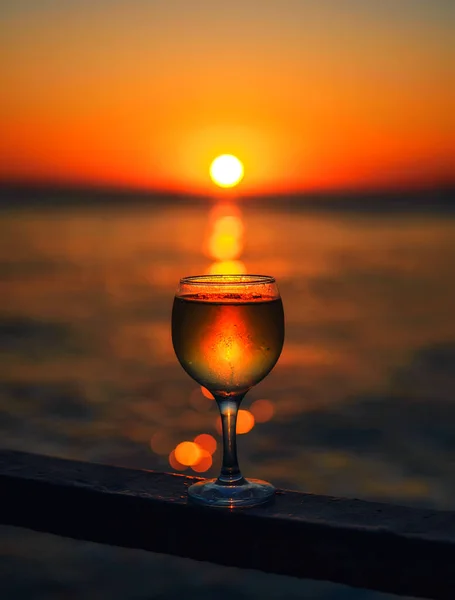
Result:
{"points": [[207, 442], [188, 453], [263, 410], [204, 463], [206, 393], [175, 464], [245, 422], [197, 454]]}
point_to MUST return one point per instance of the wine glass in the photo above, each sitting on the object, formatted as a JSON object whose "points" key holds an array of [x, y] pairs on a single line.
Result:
{"points": [[228, 332]]}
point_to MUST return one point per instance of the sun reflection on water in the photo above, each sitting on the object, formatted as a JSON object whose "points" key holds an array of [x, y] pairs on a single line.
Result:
{"points": [[227, 267], [225, 242]]}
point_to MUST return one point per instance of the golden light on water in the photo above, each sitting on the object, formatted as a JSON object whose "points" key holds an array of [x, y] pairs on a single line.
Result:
{"points": [[223, 209], [227, 267], [230, 224], [225, 246], [225, 242], [226, 171]]}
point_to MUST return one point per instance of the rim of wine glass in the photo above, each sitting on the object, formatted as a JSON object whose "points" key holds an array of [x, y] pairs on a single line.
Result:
{"points": [[227, 279]]}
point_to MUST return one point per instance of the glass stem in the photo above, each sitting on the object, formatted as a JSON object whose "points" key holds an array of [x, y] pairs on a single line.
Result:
{"points": [[229, 407]]}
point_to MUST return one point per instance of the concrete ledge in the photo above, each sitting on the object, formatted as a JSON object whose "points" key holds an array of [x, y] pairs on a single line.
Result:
{"points": [[383, 547]]}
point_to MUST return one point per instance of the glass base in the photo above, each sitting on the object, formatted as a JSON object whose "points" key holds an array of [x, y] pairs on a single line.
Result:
{"points": [[247, 494]]}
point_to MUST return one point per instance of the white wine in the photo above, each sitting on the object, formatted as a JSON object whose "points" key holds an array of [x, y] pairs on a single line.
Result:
{"points": [[227, 342]]}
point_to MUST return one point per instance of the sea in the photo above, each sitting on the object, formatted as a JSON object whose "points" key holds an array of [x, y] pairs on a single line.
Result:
{"points": [[361, 403]]}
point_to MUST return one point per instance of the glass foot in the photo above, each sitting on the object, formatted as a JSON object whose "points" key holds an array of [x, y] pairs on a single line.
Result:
{"points": [[250, 493]]}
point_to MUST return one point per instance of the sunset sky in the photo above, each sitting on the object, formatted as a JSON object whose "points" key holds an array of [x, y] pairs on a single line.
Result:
{"points": [[309, 94]]}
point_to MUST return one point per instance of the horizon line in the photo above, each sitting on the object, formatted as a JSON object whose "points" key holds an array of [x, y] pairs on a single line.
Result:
{"points": [[217, 194]]}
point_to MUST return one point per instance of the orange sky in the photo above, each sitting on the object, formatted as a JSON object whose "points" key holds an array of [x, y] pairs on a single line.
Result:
{"points": [[308, 94]]}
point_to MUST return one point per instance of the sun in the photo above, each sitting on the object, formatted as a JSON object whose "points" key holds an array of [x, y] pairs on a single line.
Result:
{"points": [[226, 170]]}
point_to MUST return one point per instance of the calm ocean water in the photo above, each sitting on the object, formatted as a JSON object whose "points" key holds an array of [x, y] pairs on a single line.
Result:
{"points": [[360, 404]]}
